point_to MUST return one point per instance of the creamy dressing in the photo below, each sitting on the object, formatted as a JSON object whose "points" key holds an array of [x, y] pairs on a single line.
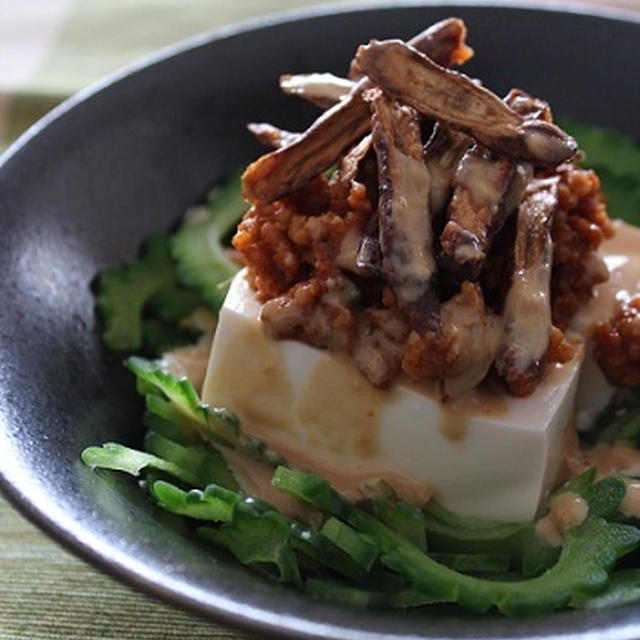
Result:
{"points": [[611, 459], [191, 361], [477, 333], [354, 479], [484, 178], [259, 390], [630, 505], [255, 479], [340, 409], [317, 86], [411, 257], [442, 162], [536, 142], [622, 257], [468, 249], [527, 308], [567, 511], [453, 426], [528, 317]]}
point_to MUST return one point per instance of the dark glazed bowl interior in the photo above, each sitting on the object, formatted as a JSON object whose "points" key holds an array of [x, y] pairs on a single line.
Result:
{"points": [[124, 161]]}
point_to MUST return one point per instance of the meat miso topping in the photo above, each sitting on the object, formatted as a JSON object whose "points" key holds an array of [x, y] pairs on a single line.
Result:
{"points": [[617, 345], [453, 237]]}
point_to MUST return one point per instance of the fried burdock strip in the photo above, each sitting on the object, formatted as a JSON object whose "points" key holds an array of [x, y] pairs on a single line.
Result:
{"points": [[352, 161], [412, 78], [442, 153], [289, 168], [404, 220], [475, 211], [367, 258], [271, 136], [520, 360], [487, 190], [443, 42], [357, 173], [321, 89]]}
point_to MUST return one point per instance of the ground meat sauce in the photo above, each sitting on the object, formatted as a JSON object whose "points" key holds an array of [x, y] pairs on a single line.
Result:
{"points": [[298, 253], [289, 240], [580, 225], [617, 345]]}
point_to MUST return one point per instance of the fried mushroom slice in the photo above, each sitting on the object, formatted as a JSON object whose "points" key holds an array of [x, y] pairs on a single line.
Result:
{"points": [[458, 354], [442, 153], [321, 89], [353, 160], [270, 135], [369, 257], [487, 190], [480, 183], [520, 360], [444, 95], [405, 233], [443, 42], [289, 168]]}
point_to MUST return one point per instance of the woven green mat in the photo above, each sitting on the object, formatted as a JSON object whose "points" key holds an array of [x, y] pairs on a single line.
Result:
{"points": [[50, 49], [45, 592]]}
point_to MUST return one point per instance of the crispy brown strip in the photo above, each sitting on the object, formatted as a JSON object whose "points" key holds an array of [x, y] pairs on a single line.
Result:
{"points": [[443, 42], [322, 89], [270, 135], [369, 257], [403, 209], [350, 164], [442, 155], [412, 78], [527, 310], [287, 169], [480, 184], [488, 189], [528, 106], [360, 165]]}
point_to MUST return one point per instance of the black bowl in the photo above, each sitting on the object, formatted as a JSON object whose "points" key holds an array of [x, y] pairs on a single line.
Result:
{"points": [[123, 160]]}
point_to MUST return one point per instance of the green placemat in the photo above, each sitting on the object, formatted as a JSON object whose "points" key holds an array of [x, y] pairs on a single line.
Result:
{"points": [[49, 49], [45, 592]]}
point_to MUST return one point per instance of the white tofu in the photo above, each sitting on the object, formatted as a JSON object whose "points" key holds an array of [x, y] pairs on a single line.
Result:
{"points": [[495, 457]]}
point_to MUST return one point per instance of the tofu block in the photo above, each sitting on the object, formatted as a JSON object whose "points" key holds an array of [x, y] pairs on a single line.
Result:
{"points": [[491, 455]]}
